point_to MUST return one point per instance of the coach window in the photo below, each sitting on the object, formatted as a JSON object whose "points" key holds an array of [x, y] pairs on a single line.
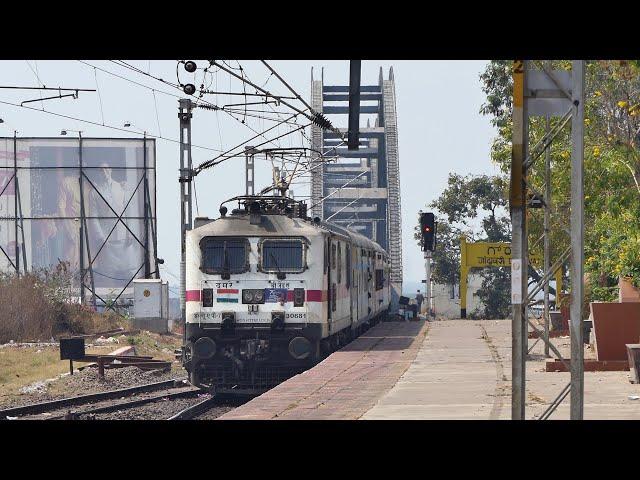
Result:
{"points": [[326, 255], [224, 255], [347, 252], [333, 256], [379, 279], [339, 263], [282, 256]]}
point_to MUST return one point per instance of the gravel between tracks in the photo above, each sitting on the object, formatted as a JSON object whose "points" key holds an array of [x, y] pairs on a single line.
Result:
{"points": [[161, 410], [88, 381]]}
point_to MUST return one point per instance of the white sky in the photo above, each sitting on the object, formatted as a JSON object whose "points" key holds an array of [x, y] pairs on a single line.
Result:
{"points": [[439, 125]]}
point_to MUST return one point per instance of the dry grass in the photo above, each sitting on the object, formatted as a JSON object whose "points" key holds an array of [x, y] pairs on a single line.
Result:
{"points": [[38, 306], [22, 366], [158, 346]]}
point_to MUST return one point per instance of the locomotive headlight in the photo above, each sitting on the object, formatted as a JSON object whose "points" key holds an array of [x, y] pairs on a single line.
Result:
{"points": [[259, 296], [247, 296], [252, 295]]}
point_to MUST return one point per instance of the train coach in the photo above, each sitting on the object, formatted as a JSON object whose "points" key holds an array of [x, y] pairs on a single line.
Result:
{"points": [[270, 292]]}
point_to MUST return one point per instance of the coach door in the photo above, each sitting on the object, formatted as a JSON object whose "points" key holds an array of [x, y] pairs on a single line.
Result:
{"points": [[350, 281], [331, 286]]}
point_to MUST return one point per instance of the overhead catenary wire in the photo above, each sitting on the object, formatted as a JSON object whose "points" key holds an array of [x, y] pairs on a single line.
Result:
{"points": [[176, 86], [316, 118], [95, 74], [220, 160], [39, 82], [211, 162], [273, 72], [155, 102], [113, 127], [244, 79]]}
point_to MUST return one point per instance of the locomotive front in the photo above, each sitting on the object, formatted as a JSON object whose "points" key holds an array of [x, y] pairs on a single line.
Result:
{"points": [[254, 297]]}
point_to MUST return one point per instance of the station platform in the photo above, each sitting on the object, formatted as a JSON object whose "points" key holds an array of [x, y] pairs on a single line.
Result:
{"points": [[346, 384], [449, 369]]}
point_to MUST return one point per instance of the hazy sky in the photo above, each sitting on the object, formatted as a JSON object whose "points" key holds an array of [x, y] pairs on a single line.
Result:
{"points": [[439, 125]]}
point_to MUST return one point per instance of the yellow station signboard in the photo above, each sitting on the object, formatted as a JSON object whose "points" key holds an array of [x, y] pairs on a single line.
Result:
{"points": [[488, 254]]}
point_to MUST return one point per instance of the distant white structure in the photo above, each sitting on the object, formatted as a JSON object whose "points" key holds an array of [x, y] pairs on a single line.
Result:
{"points": [[151, 305], [446, 298]]}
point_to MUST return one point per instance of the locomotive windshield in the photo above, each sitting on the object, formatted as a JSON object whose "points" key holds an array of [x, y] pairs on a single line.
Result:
{"points": [[284, 256], [220, 255]]}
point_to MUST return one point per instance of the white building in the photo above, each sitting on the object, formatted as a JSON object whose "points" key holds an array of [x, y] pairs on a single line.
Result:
{"points": [[446, 298]]}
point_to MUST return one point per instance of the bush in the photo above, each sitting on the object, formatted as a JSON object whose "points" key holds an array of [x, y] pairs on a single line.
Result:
{"points": [[40, 305]]}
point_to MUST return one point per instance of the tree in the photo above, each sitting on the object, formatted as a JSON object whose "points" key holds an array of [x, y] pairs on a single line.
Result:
{"points": [[612, 167], [473, 206]]}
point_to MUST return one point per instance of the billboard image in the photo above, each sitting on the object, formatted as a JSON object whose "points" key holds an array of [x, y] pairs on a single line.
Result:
{"points": [[89, 202]]}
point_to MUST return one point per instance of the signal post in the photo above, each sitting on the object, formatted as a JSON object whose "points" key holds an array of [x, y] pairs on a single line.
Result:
{"points": [[428, 231]]}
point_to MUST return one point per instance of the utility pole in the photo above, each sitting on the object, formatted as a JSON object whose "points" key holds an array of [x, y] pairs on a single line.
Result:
{"points": [[547, 240], [519, 242], [82, 226], [427, 288], [545, 92], [186, 211], [577, 240], [248, 170]]}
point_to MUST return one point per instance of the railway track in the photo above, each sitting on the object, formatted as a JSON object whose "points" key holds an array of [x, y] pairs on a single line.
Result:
{"points": [[192, 411], [102, 402]]}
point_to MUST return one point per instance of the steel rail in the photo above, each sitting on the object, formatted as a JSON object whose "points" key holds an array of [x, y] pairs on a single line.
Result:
{"points": [[194, 410], [189, 391], [79, 400]]}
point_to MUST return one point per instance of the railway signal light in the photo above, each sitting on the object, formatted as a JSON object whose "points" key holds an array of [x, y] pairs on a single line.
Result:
{"points": [[428, 230]]}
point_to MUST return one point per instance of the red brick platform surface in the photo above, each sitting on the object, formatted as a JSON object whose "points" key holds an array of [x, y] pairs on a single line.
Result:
{"points": [[590, 365], [346, 384]]}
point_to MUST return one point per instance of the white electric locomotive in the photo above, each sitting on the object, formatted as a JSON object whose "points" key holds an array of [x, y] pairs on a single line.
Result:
{"points": [[269, 292]]}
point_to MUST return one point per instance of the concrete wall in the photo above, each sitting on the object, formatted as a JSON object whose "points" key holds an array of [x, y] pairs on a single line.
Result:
{"points": [[448, 307]]}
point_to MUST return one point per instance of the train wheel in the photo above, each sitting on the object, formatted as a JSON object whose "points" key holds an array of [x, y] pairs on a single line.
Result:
{"points": [[317, 352], [194, 378]]}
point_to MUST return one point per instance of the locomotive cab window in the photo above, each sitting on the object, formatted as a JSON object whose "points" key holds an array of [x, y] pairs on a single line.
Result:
{"points": [[282, 256], [224, 255]]}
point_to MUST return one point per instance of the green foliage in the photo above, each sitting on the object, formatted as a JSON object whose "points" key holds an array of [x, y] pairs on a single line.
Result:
{"points": [[474, 206], [612, 168]]}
